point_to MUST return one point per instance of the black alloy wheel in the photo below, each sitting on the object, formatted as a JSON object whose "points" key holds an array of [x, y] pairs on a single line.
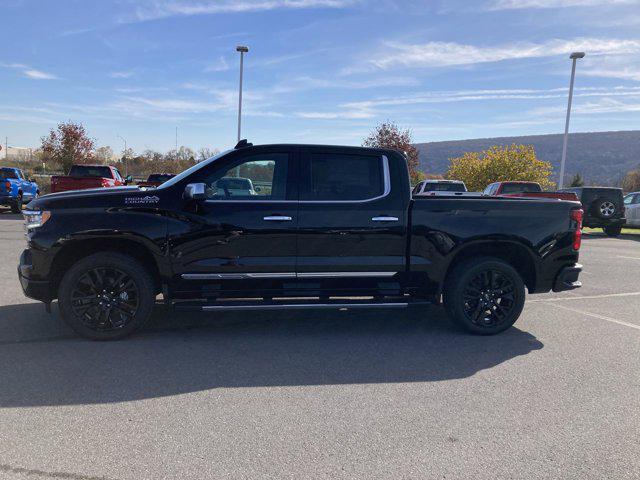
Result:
{"points": [[106, 299], [489, 298], [106, 296], [484, 295]]}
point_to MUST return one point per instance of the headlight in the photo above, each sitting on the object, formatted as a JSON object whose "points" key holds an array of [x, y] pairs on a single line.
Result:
{"points": [[35, 218]]}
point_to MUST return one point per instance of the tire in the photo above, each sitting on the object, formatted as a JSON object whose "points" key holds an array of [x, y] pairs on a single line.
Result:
{"points": [[480, 309], [613, 230], [106, 296], [604, 208], [17, 207]]}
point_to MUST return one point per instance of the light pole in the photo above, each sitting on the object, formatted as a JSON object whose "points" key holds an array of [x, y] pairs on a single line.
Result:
{"points": [[124, 155], [574, 57], [242, 49]]}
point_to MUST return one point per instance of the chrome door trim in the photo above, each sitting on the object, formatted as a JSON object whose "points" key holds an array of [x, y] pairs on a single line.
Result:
{"points": [[344, 274], [277, 218], [258, 275], [235, 276], [384, 218]]}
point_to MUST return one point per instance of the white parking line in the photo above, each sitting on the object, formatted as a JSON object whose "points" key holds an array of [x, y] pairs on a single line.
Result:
{"points": [[600, 317], [585, 297], [632, 258]]}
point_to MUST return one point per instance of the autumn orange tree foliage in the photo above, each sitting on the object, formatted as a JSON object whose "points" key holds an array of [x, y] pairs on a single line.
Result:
{"points": [[500, 163], [68, 144], [389, 135]]}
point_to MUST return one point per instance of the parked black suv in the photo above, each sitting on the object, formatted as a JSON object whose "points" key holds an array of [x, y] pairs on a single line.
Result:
{"points": [[603, 208]]}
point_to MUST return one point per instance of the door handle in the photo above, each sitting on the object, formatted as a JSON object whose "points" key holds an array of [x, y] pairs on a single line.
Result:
{"points": [[277, 218], [384, 218]]}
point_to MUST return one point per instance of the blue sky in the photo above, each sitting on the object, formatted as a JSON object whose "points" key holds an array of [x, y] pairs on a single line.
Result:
{"points": [[319, 71]]}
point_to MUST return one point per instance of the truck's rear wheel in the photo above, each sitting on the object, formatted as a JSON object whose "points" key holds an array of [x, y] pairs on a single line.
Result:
{"points": [[484, 295], [106, 296]]}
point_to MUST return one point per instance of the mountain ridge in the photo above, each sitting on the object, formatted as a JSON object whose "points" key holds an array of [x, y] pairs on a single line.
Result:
{"points": [[600, 157]]}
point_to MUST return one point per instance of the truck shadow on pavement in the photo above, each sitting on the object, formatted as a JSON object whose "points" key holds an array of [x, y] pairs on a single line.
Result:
{"points": [[42, 363]]}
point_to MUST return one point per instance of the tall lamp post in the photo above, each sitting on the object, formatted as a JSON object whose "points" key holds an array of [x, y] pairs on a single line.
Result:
{"points": [[124, 155], [242, 49], [574, 57]]}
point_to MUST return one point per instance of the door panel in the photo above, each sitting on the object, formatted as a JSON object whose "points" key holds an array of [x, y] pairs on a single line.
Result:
{"points": [[350, 220], [246, 229]]}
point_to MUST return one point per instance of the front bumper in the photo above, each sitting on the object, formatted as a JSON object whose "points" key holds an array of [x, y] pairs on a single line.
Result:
{"points": [[36, 289], [567, 279]]}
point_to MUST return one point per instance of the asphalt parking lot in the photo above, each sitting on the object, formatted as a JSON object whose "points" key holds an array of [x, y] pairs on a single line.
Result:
{"points": [[379, 394]]}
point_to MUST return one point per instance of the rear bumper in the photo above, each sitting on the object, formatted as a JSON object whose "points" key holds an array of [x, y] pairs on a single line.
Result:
{"points": [[7, 200], [567, 279], [36, 289], [594, 222]]}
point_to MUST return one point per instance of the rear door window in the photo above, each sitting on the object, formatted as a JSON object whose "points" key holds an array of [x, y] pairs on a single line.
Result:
{"points": [[90, 171], [340, 177]]}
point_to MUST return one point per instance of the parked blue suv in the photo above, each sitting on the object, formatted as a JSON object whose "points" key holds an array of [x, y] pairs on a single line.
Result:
{"points": [[16, 189]]}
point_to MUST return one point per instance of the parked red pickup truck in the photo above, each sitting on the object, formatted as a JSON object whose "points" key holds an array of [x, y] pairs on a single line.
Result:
{"points": [[82, 177], [525, 189]]}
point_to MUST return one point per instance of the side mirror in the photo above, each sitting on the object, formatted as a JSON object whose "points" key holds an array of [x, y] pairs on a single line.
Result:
{"points": [[195, 191], [128, 179]]}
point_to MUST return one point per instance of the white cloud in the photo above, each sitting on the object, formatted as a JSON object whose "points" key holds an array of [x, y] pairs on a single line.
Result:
{"points": [[520, 4], [171, 8], [121, 74], [38, 75], [597, 107], [29, 72], [438, 54]]}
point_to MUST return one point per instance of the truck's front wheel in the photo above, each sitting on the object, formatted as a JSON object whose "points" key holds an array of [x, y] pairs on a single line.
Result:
{"points": [[484, 295], [106, 296]]}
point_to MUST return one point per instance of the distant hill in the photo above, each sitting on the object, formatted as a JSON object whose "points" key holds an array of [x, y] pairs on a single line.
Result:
{"points": [[600, 157]]}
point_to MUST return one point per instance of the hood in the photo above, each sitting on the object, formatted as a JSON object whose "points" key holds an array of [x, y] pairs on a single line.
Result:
{"points": [[97, 198]]}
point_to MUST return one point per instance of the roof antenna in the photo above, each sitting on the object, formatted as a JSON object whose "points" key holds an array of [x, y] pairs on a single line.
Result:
{"points": [[243, 144]]}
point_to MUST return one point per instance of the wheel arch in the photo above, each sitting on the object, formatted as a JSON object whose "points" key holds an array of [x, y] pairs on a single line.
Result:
{"points": [[516, 254], [73, 251]]}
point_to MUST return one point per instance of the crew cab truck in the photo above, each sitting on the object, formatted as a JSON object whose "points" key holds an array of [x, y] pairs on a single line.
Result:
{"points": [[87, 176], [16, 188], [334, 227]]}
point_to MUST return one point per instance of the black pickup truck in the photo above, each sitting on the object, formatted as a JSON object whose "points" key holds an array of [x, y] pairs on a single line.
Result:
{"points": [[324, 227]]}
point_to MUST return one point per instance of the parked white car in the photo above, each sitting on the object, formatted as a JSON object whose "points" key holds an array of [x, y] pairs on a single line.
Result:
{"points": [[632, 209], [449, 188]]}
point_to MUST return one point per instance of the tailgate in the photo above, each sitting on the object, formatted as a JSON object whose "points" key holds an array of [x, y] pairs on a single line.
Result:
{"points": [[62, 184]]}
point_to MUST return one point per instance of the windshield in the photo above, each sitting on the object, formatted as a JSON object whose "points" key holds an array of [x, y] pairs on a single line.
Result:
{"points": [[520, 188], [181, 176], [8, 173], [444, 187], [90, 171], [159, 177]]}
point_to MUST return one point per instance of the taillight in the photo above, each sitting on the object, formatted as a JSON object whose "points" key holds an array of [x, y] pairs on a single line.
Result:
{"points": [[7, 186], [576, 216]]}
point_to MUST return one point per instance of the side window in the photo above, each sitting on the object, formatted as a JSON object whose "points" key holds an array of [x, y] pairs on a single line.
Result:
{"points": [[636, 199], [417, 188], [487, 191], [20, 175], [257, 177], [118, 176], [338, 177]]}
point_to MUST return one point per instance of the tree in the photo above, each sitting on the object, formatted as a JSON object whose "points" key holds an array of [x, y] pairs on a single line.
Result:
{"points": [[206, 152], [577, 181], [104, 155], [500, 163], [66, 145], [631, 182], [389, 135]]}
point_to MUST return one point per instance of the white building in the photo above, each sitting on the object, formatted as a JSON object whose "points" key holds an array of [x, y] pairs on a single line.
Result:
{"points": [[17, 153]]}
